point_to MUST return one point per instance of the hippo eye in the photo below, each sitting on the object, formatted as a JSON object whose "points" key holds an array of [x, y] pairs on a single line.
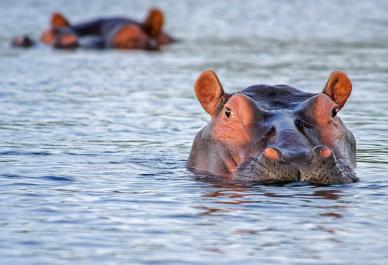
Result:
{"points": [[228, 112], [334, 112]]}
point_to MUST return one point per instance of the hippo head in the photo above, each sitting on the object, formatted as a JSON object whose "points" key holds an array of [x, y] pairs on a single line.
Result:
{"points": [[143, 36], [275, 134], [57, 22]]}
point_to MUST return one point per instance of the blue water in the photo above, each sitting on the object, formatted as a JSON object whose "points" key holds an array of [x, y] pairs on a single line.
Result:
{"points": [[93, 144]]}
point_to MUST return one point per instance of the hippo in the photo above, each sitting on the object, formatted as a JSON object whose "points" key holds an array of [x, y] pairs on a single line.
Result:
{"points": [[274, 133], [115, 32]]}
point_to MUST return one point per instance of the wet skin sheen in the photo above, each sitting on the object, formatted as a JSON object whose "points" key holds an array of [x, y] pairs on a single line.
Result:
{"points": [[275, 134]]}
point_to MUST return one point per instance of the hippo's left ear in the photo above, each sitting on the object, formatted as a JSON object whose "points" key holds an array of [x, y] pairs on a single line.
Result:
{"points": [[209, 91], [338, 88], [153, 24], [58, 20]]}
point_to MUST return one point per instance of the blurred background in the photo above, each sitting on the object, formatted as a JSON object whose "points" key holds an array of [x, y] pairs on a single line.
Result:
{"points": [[94, 143]]}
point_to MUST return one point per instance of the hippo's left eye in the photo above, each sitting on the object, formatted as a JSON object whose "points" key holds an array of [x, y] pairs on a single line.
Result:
{"points": [[228, 112], [334, 112]]}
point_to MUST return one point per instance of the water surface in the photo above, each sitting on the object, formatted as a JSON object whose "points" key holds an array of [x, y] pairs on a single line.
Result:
{"points": [[94, 144]]}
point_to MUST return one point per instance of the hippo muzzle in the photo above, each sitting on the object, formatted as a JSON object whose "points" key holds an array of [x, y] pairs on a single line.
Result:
{"points": [[319, 167]]}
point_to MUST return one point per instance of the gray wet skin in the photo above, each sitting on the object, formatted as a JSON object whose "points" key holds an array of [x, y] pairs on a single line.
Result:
{"points": [[275, 134]]}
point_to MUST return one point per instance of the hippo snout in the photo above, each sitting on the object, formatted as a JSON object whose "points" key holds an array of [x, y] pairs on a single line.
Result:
{"points": [[319, 167], [270, 167], [323, 168]]}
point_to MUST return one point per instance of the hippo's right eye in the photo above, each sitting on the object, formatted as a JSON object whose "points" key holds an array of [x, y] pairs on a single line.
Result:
{"points": [[228, 112], [334, 112]]}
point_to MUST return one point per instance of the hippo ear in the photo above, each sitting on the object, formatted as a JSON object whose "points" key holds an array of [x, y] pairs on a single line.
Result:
{"points": [[209, 91], [338, 88], [153, 24], [58, 21]]}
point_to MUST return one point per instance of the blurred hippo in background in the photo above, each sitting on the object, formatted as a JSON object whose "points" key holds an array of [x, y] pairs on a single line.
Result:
{"points": [[115, 32], [275, 134]]}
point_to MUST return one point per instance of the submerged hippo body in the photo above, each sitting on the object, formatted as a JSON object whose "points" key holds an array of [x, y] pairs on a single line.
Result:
{"points": [[275, 134]]}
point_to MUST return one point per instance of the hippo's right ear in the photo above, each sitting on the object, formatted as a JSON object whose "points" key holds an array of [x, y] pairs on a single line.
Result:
{"points": [[153, 24], [209, 91], [338, 88]]}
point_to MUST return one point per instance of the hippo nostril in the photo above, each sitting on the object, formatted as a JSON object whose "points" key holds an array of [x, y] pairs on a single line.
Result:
{"points": [[321, 152], [272, 153], [325, 152]]}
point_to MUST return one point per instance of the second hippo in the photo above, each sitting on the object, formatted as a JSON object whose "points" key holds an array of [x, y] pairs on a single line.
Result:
{"points": [[101, 33]]}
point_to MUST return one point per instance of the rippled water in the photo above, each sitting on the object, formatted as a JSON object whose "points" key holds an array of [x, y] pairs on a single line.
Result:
{"points": [[93, 144]]}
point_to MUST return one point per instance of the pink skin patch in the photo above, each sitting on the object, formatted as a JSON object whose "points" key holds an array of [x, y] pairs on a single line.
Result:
{"points": [[68, 40]]}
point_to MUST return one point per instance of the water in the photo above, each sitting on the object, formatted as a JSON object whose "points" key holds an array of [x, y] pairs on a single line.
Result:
{"points": [[93, 144]]}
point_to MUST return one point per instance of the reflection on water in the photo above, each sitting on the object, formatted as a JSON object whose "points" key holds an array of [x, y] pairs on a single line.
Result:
{"points": [[94, 144]]}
